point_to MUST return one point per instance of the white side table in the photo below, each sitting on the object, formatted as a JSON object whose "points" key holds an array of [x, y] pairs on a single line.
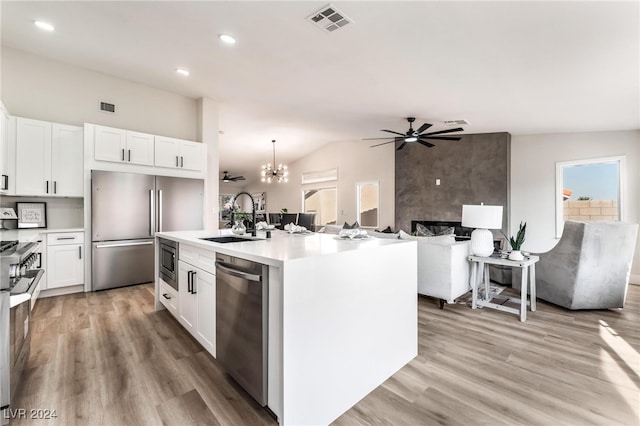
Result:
{"points": [[528, 266]]}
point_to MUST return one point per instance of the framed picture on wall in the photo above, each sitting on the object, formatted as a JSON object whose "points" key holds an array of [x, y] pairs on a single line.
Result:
{"points": [[32, 215]]}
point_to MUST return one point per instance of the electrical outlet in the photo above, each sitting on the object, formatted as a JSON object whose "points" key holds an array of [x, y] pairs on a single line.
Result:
{"points": [[437, 182]]}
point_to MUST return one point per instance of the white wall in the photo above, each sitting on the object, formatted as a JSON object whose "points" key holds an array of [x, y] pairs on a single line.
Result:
{"points": [[533, 175], [43, 89], [356, 162]]}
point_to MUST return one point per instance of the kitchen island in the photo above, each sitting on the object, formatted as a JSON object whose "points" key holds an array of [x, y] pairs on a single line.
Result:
{"points": [[342, 315]]}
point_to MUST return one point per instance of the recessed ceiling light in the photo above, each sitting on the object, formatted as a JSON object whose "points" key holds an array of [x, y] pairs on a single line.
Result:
{"points": [[227, 38], [182, 71], [44, 25]]}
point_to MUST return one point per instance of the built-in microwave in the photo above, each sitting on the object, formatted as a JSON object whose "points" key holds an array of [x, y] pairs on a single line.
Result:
{"points": [[168, 265]]}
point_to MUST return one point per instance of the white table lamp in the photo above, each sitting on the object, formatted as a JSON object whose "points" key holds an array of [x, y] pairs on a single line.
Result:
{"points": [[482, 218]]}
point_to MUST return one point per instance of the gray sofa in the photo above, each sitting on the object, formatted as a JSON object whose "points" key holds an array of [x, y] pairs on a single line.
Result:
{"points": [[589, 268]]}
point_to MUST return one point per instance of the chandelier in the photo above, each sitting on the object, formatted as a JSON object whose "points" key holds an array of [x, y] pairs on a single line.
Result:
{"points": [[271, 172]]}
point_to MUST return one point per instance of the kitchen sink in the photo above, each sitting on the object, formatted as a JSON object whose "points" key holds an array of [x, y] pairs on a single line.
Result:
{"points": [[228, 239]]}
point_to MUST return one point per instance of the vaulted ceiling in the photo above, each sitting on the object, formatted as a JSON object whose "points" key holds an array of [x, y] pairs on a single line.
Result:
{"points": [[520, 67]]}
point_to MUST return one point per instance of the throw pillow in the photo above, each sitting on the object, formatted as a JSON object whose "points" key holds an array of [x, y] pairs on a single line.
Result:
{"points": [[423, 231], [438, 239], [355, 225], [447, 231], [386, 230], [386, 235]]}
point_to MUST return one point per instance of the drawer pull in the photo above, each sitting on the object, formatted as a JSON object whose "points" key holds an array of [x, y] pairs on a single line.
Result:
{"points": [[65, 238], [166, 296]]}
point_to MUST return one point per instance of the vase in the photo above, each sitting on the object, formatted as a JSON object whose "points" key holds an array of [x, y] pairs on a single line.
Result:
{"points": [[516, 255], [238, 228]]}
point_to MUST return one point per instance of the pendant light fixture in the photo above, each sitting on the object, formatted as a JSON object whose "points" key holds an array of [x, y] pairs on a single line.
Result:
{"points": [[272, 173]]}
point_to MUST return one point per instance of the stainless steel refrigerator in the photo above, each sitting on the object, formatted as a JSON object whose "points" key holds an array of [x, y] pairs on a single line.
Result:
{"points": [[127, 209]]}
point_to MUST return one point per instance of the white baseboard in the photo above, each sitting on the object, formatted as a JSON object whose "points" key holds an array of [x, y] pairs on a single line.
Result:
{"points": [[634, 279], [62, 290]]}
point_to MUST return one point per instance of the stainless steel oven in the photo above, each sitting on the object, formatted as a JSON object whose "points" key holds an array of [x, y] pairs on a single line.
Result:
{"points": [[168, 262], [20, 274]]}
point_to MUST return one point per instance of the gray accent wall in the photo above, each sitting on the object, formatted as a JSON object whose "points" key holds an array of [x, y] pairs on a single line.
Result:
{"points": [[473, 170]]}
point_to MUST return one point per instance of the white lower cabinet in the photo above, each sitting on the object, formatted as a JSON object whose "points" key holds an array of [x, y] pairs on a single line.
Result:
{"points": [[188, 300], [65, 259], [169, 298], [205, 286], [197, 303]]}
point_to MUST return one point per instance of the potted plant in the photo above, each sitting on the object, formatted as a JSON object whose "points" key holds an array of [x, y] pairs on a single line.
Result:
{"points": [[516, 242]]}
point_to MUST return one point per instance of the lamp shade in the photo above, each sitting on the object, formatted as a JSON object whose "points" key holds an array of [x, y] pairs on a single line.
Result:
{"points": [[483, 217]]}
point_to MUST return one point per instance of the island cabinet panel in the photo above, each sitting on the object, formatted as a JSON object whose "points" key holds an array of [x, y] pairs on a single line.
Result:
{"points": [[197, 299], [188, 301], [203, 259]]}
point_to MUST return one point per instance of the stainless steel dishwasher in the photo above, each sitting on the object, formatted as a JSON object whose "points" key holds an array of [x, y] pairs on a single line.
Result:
{"points": [[241, 322]]}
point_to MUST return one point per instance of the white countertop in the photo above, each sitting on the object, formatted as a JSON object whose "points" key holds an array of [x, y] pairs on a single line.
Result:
{"points": [[32, 234], [281, 247]]}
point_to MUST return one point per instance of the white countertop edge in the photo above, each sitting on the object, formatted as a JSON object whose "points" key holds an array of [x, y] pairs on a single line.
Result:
{"points": [[282, 247]]}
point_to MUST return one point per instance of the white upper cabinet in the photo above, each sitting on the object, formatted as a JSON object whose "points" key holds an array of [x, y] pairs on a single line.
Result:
{"points": [[67, 160], [110, 144], [123, 146], [140, 148], [5, 174], [177, 153], [49, 159]]}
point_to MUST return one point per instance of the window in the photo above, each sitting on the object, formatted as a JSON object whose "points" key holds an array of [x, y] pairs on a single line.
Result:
{"points": [[367, 199], [323, 202], [589, 190]]}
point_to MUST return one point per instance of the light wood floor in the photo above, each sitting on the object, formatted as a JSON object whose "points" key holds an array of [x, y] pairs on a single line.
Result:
{"points": [[108, 358]]}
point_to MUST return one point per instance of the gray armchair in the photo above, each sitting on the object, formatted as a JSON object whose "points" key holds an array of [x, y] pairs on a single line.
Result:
{"points": [[589, 268]]}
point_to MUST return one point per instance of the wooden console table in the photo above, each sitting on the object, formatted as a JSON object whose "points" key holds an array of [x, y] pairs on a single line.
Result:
{"points": [[528, 266]]}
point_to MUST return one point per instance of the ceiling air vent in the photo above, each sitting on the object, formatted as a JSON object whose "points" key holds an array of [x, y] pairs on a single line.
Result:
{"points": [[107, 107], [329, 18], [456, 122]]}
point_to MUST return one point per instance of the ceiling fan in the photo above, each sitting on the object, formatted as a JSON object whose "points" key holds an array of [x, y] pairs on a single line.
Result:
{"points": [[418, 135], [228, 178]]}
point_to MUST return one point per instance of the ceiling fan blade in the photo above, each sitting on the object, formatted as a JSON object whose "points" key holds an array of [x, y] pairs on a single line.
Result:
{"points": [[424, 127], [442, 138], [391, 131], [457, 129], [383, 143], [425, 143], [401, 146], [373, 139]]}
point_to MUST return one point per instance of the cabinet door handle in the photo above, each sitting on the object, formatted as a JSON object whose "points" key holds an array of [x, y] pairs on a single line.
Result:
{"points": [[122, 154], [189, 281], [193, 282], [166, 296], [129, 152], [79, 252], [39, 260], [47, 187], [5, 178], [181, 161], [55, 186], [176, 161]]}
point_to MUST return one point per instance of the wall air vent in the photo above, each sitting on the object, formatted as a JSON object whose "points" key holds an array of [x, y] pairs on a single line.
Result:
{"points": [[329, 18], [107, 107], [456, 122]]}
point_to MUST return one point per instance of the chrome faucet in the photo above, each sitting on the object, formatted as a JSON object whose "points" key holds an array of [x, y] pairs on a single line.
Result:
{"points": [[253, 211]]}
